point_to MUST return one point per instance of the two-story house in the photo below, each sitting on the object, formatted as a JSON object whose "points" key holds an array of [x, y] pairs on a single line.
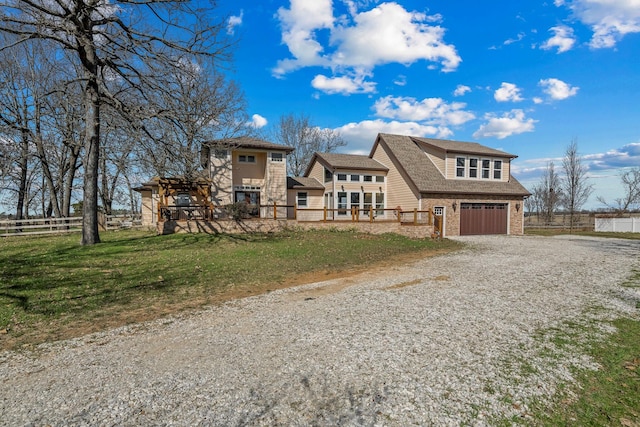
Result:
{"points": [[468, 185], [241, 169]]}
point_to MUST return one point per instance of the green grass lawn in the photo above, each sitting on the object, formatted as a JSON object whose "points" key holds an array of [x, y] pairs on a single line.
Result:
{"points": [[51, 287], [559, 231]]}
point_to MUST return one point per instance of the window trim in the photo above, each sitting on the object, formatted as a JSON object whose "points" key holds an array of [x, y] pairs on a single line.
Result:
{"points": [[302, 201], [341, 177], [461, 168], [276, 159], [246, 158]]}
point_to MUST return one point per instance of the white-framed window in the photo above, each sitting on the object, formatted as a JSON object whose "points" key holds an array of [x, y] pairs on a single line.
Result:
{"points": [[302, 198], [367, 178], [497, 169], [247, 158], [342, 177], [460, 166], [379, 178], [355, 200], [438, 211], [220, 154], [379, 203], [277, 157], [342, 203], [328, 175], [486, 169], [473, 168], [355, 178]]}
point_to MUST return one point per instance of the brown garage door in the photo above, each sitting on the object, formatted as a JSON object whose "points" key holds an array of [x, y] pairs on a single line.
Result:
{"points": [[483, 218]]}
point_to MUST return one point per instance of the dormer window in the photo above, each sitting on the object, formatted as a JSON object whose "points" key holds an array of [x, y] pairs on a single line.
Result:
{"points": [[497, 169], [486, 168], [460, 163], [473, 168]]}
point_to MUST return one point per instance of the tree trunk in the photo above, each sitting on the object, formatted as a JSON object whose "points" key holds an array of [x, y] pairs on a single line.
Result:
{"points": [[23, 164], [90, 235]]}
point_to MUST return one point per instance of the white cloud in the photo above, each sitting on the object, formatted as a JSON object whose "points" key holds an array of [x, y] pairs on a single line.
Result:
{"points": [[401, 80], [563, 39], [537, 100], [358, 43], [361, 135], [257, 121], [398, 36], [557, 89], [433, 111], [610, 20], [344, 85], [511, 123], [461, 90], [299, 26], [234, 21], [518, 38], [508, 92]]}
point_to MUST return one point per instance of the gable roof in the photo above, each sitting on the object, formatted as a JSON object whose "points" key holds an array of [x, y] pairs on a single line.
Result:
{"points": [[249, 142], [302, 182], [423, 174], [336, 161]]}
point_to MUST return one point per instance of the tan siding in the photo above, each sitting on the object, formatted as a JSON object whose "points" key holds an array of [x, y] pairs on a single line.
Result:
{"points": [[221, 174], [249, 173], [436, 156], [317, 172], [399, 193], [275, 189]]}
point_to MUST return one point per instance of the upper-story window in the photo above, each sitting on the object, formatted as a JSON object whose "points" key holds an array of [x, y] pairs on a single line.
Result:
{"points": [[497, 169], [247, 158], [220, 154], [328, 175], [355, 178], [379, 178], [342, 177], [460, 167], [276, 157], [473, 168], [486, 168], [367, 178]]}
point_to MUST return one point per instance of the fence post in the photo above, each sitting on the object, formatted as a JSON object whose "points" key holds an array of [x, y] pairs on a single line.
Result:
{"points": [[370, 213], [275, 211], [415, 216], [324, 214], [399, 214], [295, 211]]}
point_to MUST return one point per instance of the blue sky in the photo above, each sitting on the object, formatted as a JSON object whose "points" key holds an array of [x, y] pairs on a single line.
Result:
{"points": [[524, 77]]}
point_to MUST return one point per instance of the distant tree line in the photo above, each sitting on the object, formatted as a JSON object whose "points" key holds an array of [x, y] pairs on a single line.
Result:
{"points": [[569, 189]]}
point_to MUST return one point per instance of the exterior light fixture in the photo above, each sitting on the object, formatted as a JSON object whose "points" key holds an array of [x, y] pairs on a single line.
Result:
{"points": [[454, 206]]}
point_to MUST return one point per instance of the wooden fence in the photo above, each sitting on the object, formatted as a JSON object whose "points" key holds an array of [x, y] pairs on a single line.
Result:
{"points": [[40, 226]]}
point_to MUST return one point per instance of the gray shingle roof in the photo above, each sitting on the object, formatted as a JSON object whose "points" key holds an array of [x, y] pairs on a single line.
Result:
{"points": [[249, 142], [350, 161], [303, 182], [425, 176], [462, 147]]}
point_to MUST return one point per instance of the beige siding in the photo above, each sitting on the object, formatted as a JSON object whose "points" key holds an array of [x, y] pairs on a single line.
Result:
{"points": [[398, 191], [249, 173], [221, 173], [147, 208], [317, 172], [450, 166], [275, 189]]}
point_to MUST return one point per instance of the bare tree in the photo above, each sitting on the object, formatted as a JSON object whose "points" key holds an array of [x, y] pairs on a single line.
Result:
{"points": [[575, 184], [631, 199], [549, 192], [298, 132], [137, 43]]}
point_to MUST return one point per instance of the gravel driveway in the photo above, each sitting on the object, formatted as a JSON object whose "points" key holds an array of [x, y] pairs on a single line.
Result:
{"points": [[442, 341]]}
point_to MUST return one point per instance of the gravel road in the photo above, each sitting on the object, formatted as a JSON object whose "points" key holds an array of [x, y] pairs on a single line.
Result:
{"points": [[443, 341]]}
